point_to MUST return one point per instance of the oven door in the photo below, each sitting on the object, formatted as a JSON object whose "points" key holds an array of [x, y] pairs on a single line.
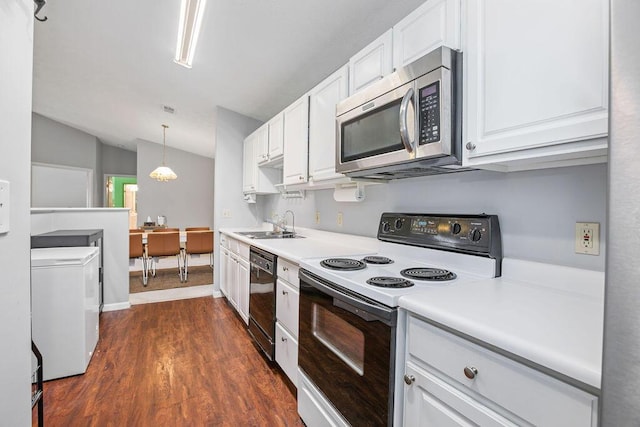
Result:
{"points": [[347, 349]]}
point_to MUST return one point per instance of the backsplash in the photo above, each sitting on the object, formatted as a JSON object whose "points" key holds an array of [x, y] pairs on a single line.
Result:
{"points": [[537, 209]]}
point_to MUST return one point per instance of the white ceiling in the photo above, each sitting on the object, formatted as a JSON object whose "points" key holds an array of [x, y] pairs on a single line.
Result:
{"points": [[106, 67]]}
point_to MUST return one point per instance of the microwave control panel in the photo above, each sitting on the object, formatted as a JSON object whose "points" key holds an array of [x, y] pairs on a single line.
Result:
{"points": [[429, 105]]}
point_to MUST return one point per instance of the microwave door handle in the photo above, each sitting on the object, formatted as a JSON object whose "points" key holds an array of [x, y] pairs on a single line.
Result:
{"points": [[404, 131]]}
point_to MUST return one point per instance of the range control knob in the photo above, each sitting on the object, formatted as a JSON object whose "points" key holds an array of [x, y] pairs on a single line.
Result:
{"points": [[475, 235], [455, 228], [398, 223], [385, 227]]}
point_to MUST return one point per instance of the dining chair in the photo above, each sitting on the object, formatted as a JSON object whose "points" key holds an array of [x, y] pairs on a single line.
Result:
{"points": [[164, 245], [136, 251], [198, 242]]}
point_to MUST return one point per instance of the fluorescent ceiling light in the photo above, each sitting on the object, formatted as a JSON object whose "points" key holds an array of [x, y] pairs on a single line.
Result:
{"points": [[191, 12]]}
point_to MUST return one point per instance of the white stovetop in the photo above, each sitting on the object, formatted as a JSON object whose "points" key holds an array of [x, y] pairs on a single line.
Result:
{"points": [[549, 315]]}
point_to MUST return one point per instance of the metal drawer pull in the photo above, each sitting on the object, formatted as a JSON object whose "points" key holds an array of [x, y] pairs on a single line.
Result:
{"points": [[470, 372], [283, 339], [285, 268], [470, 146], [409, 379], [285, 293]]}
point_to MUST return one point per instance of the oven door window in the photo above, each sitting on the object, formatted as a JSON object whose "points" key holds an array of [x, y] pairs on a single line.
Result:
{"points": [[343, 339]]}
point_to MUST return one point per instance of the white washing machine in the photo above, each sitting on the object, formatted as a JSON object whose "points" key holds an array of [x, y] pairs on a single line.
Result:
{"points": [[65, 308]]}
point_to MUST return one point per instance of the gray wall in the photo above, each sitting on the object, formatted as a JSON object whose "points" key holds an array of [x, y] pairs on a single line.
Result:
{"points": [[116, 161], [231, 130], [186, 201], [16, 45], [58, 144], [537, 209]]}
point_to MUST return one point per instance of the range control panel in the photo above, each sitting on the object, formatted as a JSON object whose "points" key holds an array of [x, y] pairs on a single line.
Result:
{"points": [[474, 234]]}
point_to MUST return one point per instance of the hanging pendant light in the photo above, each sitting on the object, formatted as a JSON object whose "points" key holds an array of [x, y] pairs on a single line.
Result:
{"points": [[163, 173]]}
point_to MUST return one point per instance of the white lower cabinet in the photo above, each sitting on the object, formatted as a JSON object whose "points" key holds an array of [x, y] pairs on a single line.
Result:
{"points": [[287, 353], [234, 274], [287, 301], [449, 381]]}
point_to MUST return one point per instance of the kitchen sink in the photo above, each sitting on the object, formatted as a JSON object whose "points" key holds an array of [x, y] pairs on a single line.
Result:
{"points": [[270, 234]]}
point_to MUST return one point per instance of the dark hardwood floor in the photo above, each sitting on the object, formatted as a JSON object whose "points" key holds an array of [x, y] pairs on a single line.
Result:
{"points": [[177, 363]]}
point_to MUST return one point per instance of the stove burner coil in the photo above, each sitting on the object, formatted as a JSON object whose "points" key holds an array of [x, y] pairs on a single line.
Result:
{"points": [[390, 282], [375, 259], [345, 264], [428, 274]]}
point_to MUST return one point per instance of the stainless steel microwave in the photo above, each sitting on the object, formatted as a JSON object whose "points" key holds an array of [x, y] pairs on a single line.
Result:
{"points": [[407, 124]]}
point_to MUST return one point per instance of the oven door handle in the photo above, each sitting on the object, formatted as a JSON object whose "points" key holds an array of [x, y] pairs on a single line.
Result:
{"points": [[404, 131], [361, 308]]}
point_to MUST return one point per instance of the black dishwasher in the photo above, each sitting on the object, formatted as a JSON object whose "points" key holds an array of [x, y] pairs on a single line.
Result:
{"points": [[262, 299]]}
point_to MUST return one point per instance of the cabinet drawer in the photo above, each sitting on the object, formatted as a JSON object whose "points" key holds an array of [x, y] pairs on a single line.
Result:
{"points": [[526, 392], [232, 245], [287, 353], [287, 298], [224, 241], [288, 271], [242, 250]]}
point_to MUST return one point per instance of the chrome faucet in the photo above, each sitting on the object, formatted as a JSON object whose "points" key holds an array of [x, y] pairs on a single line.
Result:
{"points": [[293, 220]]}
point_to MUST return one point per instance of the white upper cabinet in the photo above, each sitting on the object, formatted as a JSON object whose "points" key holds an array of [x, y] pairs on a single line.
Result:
{"points": [[434, 24], [276, 137], [322, 125], [254, 179], [296, 142], [372, 63], [249, 165], [536, 83], [269, 150]]}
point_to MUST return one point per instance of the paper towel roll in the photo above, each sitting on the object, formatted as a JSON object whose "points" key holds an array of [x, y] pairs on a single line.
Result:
{"points": [[353, 193]]}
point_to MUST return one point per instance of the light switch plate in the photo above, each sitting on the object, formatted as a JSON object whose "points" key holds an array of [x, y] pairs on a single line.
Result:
{"points": [[4, 206]]}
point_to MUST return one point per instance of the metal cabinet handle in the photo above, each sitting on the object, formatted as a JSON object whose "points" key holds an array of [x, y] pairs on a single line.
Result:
{"points": [[285, 293], [470, 146], [283, 339], [409, 379], [470, 372], [300, 177], [285, 268]]}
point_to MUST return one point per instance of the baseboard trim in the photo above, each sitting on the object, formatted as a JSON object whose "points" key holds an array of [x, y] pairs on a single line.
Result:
{"points": [[217, 294], [116, 306]]}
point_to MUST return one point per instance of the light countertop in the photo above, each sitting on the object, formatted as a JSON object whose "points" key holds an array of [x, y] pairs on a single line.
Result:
{"points": [[315, 243], [549, 315]]}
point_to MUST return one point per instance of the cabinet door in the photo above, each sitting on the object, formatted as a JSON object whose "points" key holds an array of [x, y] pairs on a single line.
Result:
{"points": [[322, 124], [276, 137], [287, 303], [265, 177], [262, 146], [436, 23], [296, 142], [372, 63], [249, 165], [287, 353], [536, 88], [224, 280], [243, 289], [232, 274], [428, 400]]}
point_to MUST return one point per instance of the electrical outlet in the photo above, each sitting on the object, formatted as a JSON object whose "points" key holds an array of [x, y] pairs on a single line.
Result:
{"points": [[226, 213], [588, 238], [339, 219], [317, 217]]}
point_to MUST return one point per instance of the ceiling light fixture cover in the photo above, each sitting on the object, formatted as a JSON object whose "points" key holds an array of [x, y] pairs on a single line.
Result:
{"points": [[191, 12], [163, 173]]}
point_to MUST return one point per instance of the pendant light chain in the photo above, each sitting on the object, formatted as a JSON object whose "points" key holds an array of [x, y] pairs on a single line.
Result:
{"points": [[164, 142]]}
